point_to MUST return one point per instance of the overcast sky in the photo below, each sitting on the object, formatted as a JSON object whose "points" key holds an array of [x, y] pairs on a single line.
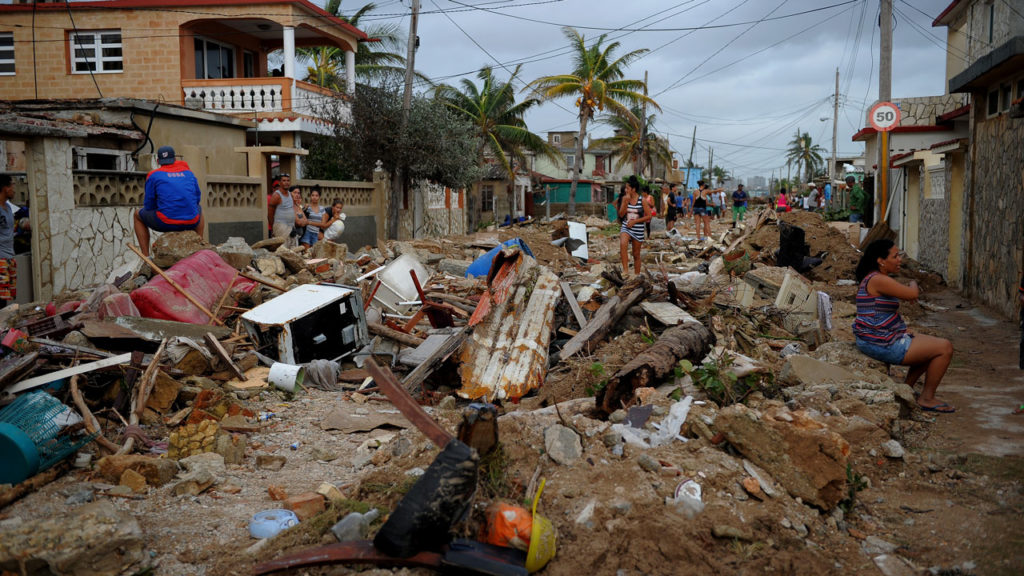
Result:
{"points": [[747, 86]]}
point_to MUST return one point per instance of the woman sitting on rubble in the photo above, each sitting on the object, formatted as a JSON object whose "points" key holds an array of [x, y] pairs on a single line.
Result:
{"points": [[882, 334]]}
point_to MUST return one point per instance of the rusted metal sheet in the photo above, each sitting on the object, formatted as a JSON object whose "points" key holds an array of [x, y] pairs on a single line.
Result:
{"points": [[507, 354]]}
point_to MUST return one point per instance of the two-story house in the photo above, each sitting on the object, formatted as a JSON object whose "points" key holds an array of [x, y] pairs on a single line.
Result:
{"points": [[596, 183], [90, 90]]}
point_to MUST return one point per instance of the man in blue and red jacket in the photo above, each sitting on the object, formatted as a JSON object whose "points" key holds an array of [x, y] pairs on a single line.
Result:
{"points": [[172, 201]]}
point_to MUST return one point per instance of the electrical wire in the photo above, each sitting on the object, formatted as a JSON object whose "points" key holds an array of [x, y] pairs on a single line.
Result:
{"points": [[89, 64]]}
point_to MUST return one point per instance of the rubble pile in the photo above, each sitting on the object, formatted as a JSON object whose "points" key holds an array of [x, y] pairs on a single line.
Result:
{"points": [[707, 416]]}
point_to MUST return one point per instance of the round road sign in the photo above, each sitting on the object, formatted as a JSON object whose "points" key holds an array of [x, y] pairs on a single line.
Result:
{"points": [[884, 116]]}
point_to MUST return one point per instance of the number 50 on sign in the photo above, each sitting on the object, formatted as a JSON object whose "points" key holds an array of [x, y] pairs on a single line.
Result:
{"points": [[884, 116]]}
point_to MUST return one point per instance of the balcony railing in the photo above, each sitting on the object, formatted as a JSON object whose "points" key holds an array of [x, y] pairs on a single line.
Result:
{"points": [[247, 95]]}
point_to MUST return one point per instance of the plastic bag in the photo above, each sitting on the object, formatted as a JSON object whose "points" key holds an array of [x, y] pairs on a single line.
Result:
{"points": [[335, 230]]}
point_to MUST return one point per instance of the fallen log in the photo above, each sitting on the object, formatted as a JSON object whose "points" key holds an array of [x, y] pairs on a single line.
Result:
{"points": [[690, 340], [606, 317]]}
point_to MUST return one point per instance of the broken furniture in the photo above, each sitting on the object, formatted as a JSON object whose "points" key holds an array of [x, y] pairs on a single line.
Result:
{"points": [[309, 322], [36, 432], [395, 290]]}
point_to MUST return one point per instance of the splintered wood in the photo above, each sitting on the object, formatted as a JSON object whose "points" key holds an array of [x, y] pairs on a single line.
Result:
{"points": [[507, 354]]}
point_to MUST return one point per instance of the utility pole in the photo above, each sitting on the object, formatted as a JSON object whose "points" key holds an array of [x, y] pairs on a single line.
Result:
{"points": [[398, 183], [835, 119], [689, 163], [643, 130], [884, 95]]}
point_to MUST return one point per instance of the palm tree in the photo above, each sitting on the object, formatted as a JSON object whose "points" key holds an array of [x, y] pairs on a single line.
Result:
{"points": [[498, 118], [805, 153], [720, 174], [597, 82], [377, 61], [634, 142]]}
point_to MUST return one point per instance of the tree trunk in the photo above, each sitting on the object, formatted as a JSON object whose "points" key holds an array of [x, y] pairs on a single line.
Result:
{"points": [[578, 160], [604, 319], [690, 340], [394, 201]]}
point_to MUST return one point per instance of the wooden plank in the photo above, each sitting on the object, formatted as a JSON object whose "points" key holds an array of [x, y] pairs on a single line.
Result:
{"points": [[609, 313], [73, 347], [68, 372], [440, 355], [574, 305], [219, 350], [667, 313]]}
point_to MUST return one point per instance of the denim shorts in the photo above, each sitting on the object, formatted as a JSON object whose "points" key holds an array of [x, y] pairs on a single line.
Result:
{"points": [[698, 211], [309, 237], [891, 354]]}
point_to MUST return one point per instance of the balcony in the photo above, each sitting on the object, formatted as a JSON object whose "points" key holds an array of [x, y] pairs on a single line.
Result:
{"points": [[245, 96]]}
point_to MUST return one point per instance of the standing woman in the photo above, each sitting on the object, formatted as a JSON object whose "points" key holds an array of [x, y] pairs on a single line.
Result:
{"points": [[299, 218], [881, 332], [316, 216], [701, 209], [634, 215]]}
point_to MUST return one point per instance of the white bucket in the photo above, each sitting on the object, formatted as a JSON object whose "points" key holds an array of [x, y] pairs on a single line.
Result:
{"points": [[286, 376]]}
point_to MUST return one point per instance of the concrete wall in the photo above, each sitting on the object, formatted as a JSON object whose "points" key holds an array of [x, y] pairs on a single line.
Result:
{"points": [[933, 238], [993, 211], [444, 212]]}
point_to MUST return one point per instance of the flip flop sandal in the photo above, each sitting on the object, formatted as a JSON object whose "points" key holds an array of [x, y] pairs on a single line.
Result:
{"points": [[940, 408]]}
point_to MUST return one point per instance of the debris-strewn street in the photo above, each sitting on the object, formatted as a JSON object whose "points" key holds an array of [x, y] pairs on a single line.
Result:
{"points": [[709, 416]]}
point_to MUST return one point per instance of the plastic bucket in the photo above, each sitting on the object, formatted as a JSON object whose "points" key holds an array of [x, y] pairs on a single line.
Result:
{"points": [[286, 376], [543, 538]]}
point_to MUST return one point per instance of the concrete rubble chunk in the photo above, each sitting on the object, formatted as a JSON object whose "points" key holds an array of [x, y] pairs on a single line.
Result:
{"points": [[270, 265], [331, 250], [562, 445], [95, 539], [235, 252], [453, 267], [171, 247], [157, 471], [292, 261], [800, 453]]}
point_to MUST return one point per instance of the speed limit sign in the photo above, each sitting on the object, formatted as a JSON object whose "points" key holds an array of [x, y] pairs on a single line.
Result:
{"points": [[884, 116]]}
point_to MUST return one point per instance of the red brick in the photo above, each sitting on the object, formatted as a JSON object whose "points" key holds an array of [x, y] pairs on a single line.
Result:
{"points": [[305, 505]]}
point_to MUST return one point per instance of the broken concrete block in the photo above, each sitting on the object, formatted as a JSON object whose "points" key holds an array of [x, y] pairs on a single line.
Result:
{"points": [[171, 247], [562, 445], [328, 249], [800, 453], [456, 268], [235, 252], [270, 461], [230, 446], [305, 505], [164, 393], [292, 261], [133, 480], [95, 539], [800, 369], [157, 471], [191, 439], [270, 266]]}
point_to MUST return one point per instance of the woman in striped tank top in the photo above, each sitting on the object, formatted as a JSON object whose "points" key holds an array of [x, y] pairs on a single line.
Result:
{"points": [[633, 213], [881, 332]]}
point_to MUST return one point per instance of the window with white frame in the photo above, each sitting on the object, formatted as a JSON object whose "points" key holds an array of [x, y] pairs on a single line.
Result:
{"points": [[97, 51], [88, 158], [213, 59], [6, 53], [556, 138], [570, 161], [1007, 92]]}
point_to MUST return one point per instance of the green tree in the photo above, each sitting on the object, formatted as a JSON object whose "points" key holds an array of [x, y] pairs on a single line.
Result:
{"points": [[436, 145], [720, 174], [805, 153], [497, 118], [630, 136], [596, 81], [376, 62]]}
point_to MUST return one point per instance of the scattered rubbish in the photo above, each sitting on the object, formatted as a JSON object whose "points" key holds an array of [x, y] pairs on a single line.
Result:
{"points": [[354, 526], [269, 523], [481, 267], [543, 537], [395, 286], [687, 498], [286, 376]]}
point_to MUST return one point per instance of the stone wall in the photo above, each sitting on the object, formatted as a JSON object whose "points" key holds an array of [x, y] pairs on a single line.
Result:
{"points": [[993, 212], [444, 212], [922, 110]]}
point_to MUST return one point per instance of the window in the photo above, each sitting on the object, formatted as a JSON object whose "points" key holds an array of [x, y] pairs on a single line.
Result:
{"points": [[1007, 91], [570, 161], [96, 51], [6, 53], [556, 138], [213, 59], [487, 198], [991, 20], [993, 103], [102, 159]]}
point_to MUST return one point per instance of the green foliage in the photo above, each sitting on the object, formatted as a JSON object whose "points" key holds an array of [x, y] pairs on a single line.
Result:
{"points": [[720, 383], [837, 215], [435, 145], [493, 474], [597, 369], [593, 389], [854, 483]]}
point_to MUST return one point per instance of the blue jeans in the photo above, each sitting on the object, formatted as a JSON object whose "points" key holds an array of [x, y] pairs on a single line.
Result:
{"points": [[309, 237], [856, 217], [891, 354]]}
